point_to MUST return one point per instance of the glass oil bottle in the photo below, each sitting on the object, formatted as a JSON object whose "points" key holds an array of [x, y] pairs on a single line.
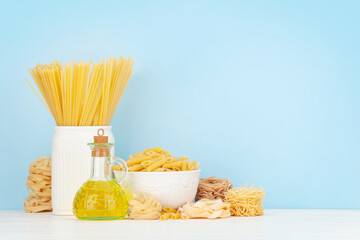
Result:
{"points": [[101, 197]]}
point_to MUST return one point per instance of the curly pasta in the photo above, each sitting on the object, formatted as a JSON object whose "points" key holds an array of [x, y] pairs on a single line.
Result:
{"points": [[144, 207], [39, 186], [213, 188], [246, 201]]}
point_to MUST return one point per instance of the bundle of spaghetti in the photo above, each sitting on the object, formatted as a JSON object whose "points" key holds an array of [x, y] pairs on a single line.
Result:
{"points": [[206, 208], [213, 188], [39, 186], [82, 94], [246, 201], [144, 207]]}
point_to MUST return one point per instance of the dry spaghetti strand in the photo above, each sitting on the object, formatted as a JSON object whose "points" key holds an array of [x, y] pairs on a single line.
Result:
{"points": [[246, 201], [81, 93]]}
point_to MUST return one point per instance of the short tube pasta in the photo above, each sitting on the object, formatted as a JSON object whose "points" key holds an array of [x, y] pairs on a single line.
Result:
{"points": [[171, 213], [183, 166], [158, 160], [183, 158], [184, 216], [156, 165], [192, 165], [169, 209], [136, 167], [137, 160], [156, 149], [160, 170], [169, 160], [165, 216], [175, 216], [146, 163], [173, 165]]}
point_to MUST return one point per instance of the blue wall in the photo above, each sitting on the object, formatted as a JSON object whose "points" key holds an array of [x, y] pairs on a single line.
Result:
{"points": [[257, 91]]}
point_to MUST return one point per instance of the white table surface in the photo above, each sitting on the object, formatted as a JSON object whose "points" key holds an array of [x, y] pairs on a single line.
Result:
{"points": [[274, 224]]}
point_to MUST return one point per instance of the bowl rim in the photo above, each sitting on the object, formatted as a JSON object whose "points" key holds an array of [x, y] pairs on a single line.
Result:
{"points": [[166, 173]]}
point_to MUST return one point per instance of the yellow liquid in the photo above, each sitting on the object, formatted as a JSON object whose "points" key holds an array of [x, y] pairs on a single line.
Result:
{"points": [[100, 200]]}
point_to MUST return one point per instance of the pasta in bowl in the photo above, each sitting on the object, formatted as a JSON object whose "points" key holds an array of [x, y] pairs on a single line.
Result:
{"points": [[171, 180]]}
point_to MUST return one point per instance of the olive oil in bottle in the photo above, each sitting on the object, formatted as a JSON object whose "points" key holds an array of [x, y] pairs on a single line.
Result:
{"points": [[101, 197]]}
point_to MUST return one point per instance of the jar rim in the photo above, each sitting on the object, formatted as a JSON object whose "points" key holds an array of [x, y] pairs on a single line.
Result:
{"points": [[100, 144]]}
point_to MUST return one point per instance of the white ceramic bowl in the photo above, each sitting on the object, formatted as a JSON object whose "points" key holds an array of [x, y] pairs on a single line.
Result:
{"points": [[172, 189]]}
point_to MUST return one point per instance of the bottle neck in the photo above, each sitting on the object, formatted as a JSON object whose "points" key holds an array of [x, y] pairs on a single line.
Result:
{"points": [[100, 169]]}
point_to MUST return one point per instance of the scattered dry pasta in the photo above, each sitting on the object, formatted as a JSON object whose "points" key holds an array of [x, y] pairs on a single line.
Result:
{"points": [[144, 207], [213, 188], [246, 201], [158, 160], [205, 208], [39, 186], [170, 213]]}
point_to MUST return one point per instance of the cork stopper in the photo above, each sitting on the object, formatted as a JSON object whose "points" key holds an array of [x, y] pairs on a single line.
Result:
{"points": [[101, 150], [100, 138]]}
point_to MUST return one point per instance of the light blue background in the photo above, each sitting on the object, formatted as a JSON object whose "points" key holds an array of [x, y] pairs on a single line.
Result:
{"points": [[257, 91]]}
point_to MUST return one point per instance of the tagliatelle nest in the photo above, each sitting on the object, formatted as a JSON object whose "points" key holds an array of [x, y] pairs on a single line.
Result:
{"points": [[246, 201], [213, 188], [39, 186], [206, 208], [144, 207]]}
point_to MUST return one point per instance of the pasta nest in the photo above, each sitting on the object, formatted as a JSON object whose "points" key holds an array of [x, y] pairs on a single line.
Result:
{"points": [[39, 186], [246, 201], [213, 188], [144, 207]]}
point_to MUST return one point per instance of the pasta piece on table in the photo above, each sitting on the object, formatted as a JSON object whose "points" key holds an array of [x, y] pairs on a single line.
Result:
{"points": [[144, 207], [39, 186], [246, 201], [213, 188], [205, 208]]}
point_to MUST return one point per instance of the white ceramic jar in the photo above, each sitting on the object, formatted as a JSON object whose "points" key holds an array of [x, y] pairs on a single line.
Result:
{"points": [[71, 163]]}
